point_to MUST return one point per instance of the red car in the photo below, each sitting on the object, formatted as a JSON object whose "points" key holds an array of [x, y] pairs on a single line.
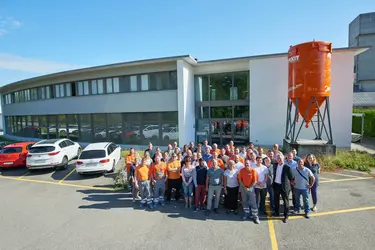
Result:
{"points": [[14, 155]]}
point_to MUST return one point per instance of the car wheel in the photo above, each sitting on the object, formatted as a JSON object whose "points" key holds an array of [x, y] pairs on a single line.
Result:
{"points": [[166, 138], [64, 163]]}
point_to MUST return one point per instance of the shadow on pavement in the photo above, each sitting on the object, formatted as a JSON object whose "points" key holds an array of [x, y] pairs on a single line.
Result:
{"points": [[103, 199], [13, 172]]}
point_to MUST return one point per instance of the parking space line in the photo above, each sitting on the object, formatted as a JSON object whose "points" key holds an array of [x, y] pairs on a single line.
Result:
{"points": [[334, 212], [271, 228], [23, 175], [349, 179], [66, 176], [60, 184], [323, 178], [346, 175]]}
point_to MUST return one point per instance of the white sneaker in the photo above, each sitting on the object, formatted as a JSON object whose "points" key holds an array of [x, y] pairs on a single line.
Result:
{"points": [[314, 208]]}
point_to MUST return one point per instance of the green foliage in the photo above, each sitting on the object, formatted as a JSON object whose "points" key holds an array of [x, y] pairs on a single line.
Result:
{"points": [[348, 159], [369, 128]]}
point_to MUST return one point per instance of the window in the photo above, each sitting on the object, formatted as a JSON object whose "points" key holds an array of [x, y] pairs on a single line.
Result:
{"points": [[114, 122], [68, 89], [240, 89], [83, 88], [94, 87], [48, 92], [144, 83], [221, 112], [173, 79], [100, 86], [63, 144], [27, 95], [201, 88], [92, 154], [62, 92], [116, 85], [16, 97], [33, 94], [159, 81], [100, 127], [85, 129], [124, 83], [220, 87], [241, 112], [133, 83], [109, 85], [57, 91], [80, 88]]}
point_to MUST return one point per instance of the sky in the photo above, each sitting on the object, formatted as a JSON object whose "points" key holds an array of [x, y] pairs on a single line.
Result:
{"points": [[39, 37]]}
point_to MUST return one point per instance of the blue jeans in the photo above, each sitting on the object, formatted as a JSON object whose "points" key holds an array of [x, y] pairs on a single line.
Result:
{"points": [[188, 190], [305, 198], [271, 198]]}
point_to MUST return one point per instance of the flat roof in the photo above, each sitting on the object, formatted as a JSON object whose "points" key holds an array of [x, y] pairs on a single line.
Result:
{"points": [[188, 58]]}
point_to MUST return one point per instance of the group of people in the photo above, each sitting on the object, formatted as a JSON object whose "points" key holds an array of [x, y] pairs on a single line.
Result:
{"points": [[238, 175]]}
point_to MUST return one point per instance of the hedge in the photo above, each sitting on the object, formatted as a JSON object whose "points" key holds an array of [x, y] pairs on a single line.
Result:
{"points": [[369, 128]]}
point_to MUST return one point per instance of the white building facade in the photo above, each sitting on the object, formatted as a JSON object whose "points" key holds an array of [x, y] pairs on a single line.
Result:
{"points": [[171, 99]]}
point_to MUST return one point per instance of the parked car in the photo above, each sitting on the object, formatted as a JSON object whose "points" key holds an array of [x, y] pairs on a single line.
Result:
{"points": [[52, 154], [170, 133], [3, 144], [98, 158], [14, 155]]}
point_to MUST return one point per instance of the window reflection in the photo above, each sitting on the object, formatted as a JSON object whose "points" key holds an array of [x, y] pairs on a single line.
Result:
{"points": [[131, 128], [115, 128], [85, 129], [52, 127], [100, 129], [72, 128]]}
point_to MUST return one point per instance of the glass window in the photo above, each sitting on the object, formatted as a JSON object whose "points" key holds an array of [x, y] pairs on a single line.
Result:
{"points": [[240, 89], [85, 129], [43, 127], [116, 85], [202, 130], [57, 91], [100, 86], [202, 112], [35, 126], [100, 127], [109, 85], [80, 88], [144, 83], [115, 127], [151, 128], [68, 89], [173, 79], [133, 83], [169, 127], [220, 87], [62, 130], [52, 127], [131, 127], [124, 84], [201, 88], [221, 112], [9, 125], [48, 92], [241, 112], [92, 154], [33, 94], [72, 122], [28, 130], [159, 81], [62, 92], [94, 87], [86, 88]]}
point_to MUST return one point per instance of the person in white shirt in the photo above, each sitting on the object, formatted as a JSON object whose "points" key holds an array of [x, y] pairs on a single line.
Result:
{"points": [[243, 153], [261, 185], [251, 155], [237, 163], [231, 188]]}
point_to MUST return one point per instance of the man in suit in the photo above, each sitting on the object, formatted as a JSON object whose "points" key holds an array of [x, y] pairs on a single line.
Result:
{"points": [[282, 177]]}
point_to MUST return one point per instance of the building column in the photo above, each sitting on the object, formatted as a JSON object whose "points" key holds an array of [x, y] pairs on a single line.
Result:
{"points": [[186, 102]]}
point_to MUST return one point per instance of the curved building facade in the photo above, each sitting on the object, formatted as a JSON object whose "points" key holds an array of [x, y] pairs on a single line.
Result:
{"points": [[170, 99]]}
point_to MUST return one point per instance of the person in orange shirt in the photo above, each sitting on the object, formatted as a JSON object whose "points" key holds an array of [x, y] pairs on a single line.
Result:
{"points": [[219, 161], [174, 177], [237, 152], [215, 149], [158, 174], [130, 160], [247, 178], [141, 181]]}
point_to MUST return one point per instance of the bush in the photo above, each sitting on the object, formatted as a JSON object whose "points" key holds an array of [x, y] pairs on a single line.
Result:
{"points": [[347, 159], [369, 127]]}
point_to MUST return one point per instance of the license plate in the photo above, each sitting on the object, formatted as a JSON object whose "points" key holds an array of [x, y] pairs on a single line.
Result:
{"points": [[90, 164], [8, 163], [40, 161]]}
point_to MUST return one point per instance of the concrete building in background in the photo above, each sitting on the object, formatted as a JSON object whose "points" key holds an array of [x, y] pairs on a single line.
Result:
{"points": [[362, 33], [171, 99]]}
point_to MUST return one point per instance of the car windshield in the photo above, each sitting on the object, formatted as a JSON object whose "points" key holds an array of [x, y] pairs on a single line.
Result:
{"points": [[42, 149], [92, 154], [11, 150]]}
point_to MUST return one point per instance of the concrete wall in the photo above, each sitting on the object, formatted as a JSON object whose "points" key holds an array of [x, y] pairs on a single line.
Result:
{"points": [[186, 102], [222, 67], [148, 101], [268, 100]]}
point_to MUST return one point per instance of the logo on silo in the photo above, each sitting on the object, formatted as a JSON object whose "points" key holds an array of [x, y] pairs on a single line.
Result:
{"points": [[293, 58], [295, 87]]}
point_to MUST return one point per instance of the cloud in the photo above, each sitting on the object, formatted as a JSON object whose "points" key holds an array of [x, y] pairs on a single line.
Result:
{"points": [[33, 65], [7, 24]]}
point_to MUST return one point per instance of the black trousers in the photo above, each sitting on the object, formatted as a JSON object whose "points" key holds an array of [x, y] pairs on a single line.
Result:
{"points": [[231, 198], [261, 194], [174, 184], [278, 190]]}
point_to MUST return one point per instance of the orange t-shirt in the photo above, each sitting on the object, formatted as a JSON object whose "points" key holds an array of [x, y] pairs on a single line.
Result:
{"points": [[129, 158], [239, 158], [158, 171], [142, 172], [216, 150], [219, 161], [174, 169], [247, 176]]}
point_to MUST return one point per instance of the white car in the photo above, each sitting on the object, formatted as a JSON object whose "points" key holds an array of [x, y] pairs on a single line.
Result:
{"points": [[52, 153], [98, 158]]}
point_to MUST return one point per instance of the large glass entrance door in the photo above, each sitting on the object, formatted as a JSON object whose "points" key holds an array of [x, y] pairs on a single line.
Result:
{"points": [[221, 131]]}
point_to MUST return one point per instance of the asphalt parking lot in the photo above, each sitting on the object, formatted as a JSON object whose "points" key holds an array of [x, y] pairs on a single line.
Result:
{"points": [[62, 210]]}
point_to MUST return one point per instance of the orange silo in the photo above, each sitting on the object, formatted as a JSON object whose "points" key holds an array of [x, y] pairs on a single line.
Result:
{"points": [[309, 78]]}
